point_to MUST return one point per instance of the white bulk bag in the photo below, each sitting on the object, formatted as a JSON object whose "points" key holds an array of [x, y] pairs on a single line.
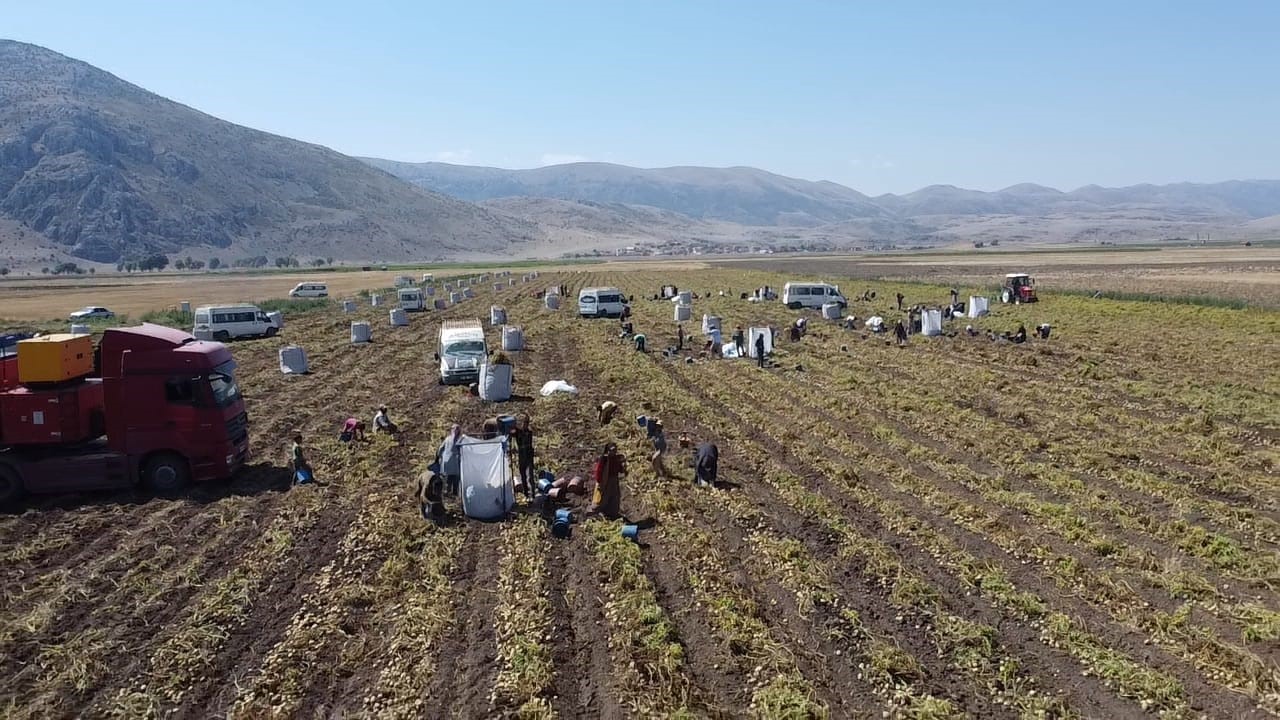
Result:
{"points": [[709, 323], [683, 313], [80, 329], [360, 332], [455, 298], [684, 297], [831, 311], [348, 306], [431, 291], [399, 318], [277, 318], [511, 282], [931, 322], [441, 303], [552, 302], [978, 306], [375, 300], [486, 484], [184, 307], [755, 332], [497, 315], [495, 382], [468, 293], [498, 287], [448, 287], [512, 338], [293, 361]]}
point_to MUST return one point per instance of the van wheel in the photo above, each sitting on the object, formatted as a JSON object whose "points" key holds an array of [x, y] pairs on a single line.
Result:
{"points": [[794, 305], [222, 336], [271, 331], [165, 473], [11, 487]]}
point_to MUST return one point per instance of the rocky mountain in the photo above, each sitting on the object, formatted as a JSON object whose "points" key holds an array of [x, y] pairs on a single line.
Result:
{"points": [[741, 195], [106, 170], [754, 197]]}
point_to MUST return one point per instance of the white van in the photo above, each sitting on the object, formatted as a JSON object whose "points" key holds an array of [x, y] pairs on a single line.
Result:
{"points": [[412, 299], [428, 278], [796, 295], [601, 302], [226, 322], [461, 352], [309, 290]]}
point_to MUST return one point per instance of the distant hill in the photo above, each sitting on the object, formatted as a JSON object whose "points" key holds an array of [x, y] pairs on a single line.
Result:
{"points": [[754, 197], [742, 195], [106, 170]]}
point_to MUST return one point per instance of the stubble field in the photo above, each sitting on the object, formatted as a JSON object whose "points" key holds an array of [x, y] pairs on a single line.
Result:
{"points": [[1086, 526]]}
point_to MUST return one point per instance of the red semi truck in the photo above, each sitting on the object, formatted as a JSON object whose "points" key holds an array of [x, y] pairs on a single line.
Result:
{"points": [[164, 412]]}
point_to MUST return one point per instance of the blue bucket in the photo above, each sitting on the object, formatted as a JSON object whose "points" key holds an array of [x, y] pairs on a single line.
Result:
{"points": [[564, 515], [506, 423], [302, 477], [562, 526], [631, 532], [544, 484], [642, 421]]}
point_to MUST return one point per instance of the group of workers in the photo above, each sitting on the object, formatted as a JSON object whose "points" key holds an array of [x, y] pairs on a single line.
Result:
{"points": [[353, 430]]}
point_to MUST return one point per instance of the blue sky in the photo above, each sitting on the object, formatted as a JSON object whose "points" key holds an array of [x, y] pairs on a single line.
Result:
{"points": [[883, 97]]}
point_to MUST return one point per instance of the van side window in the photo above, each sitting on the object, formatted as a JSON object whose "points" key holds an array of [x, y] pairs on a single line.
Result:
{"points": [[800, 291]]}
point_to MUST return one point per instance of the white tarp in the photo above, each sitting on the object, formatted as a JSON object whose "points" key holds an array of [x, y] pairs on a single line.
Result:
{"points": [[931, 322], [360, 332], [683, 313], [552, 302], [497, 315], [756, 332], [555, 386], [495, 382], [874, 323], [730, 350], [399, 318], [512, 338], [293, 361], [978, 306], [487, 487], [831, 311]]}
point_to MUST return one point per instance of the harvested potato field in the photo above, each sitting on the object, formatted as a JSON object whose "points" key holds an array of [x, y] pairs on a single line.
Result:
{"points": [[1081, 526]]}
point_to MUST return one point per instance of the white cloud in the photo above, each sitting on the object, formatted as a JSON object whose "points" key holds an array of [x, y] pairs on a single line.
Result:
{"points": [[453, 156], [563, 158]]}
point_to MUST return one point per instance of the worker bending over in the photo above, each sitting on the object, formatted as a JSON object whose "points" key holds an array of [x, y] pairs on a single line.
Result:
{"points": [[382, 422], [706, 463], [609, 469]]}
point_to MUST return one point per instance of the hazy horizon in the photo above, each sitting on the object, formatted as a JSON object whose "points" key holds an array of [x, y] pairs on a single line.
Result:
{"points": [[878, 99]]}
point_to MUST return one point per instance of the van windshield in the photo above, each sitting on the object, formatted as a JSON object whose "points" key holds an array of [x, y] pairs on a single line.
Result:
{"points": [[465, 347], [223, 383]]}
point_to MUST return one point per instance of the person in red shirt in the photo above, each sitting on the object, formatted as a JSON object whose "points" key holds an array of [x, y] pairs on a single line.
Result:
{"points": [[608, 472]]}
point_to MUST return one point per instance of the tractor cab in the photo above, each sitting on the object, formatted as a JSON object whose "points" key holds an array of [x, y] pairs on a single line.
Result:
{"points": [[1018, 288]]}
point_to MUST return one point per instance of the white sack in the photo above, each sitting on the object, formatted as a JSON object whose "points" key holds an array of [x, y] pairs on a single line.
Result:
{"points": [[497, 315], [495, 382], [931, 322], [360, 332], [552, 302], [293, 361], [752, 334], [512, 338], [399, 318], [831, 311], [683, 313], [348, 306], [555, 386], [487, 487], [978, 306]]}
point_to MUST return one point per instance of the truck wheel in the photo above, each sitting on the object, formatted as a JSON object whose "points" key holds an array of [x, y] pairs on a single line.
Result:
{"points": [[271, 331], [165, 473], [222, 336], [794, 306], [11, 488]]}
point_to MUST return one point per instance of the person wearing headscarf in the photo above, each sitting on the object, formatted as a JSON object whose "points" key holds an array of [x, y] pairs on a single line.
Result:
{"points": [[607, 474], [451, 459]]}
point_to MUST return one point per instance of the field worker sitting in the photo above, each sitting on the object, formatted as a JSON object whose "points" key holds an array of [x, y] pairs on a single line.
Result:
{"points": [[352, 429], [1019, 336], [1043, 331], [706, 463], [606, 411], [382, 422], [640, 341], [430, 494]]}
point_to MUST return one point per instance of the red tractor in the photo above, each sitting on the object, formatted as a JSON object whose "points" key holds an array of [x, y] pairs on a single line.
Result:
{"points": [[1018, 288]]}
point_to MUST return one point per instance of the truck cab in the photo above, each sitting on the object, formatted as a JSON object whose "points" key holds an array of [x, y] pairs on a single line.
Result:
{"points": [[461, 352], [168, 403], [1018, 288]]}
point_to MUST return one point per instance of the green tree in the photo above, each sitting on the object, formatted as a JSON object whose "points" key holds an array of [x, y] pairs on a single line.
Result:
{"points": [[214, 263]]}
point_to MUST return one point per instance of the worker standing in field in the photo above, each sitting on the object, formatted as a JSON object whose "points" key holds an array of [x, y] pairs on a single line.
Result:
{"points": [[679, 336], [607, 474], [302, 474], [706, 463], [760, 350], [900, 332], [451, 459], [901, 297], [658, 437], [740, 340], [523, 436]]}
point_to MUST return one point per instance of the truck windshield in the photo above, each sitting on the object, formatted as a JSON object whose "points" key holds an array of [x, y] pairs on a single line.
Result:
{"points": [[465, 347], [223, 384]]}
